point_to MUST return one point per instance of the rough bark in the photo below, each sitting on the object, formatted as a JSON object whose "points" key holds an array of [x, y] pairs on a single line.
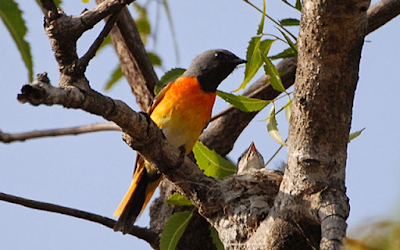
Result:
{"points": [[313, 188]]}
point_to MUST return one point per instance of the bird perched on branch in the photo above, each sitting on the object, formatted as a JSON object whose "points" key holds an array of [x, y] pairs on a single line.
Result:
{"points": [[181, 110]]}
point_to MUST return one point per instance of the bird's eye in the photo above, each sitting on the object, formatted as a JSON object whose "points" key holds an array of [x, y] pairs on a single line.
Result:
{"points": [[216, 55]]}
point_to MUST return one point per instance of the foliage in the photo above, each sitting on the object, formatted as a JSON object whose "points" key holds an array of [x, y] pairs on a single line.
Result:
{"points": [[243, 103], [383, 235], [212, 163], [11, 16], [174, 229]]}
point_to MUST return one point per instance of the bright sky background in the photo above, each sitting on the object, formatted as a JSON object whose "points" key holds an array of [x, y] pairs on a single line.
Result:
{"points": [[92, 172]]}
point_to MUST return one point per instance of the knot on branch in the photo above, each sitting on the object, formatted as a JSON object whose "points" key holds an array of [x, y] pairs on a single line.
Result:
{"points": [[42, 92], [35, 92]]}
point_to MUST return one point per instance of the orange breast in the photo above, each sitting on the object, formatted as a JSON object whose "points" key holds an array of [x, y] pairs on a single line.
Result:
{"points": [[183, 112]]}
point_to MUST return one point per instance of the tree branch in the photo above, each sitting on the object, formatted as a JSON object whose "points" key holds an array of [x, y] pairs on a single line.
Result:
{"points": [[134, 61], [381, 13], [142, 233], [84, 60], [96, 127]]}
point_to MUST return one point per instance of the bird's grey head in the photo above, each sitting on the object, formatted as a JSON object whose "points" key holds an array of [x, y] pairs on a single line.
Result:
{"points": [[212, 67]]}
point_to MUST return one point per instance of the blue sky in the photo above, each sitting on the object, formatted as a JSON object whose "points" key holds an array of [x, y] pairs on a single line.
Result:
{"points": [[92, 172]]}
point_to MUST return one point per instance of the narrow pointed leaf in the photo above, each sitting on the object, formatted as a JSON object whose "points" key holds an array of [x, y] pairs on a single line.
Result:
{"points": [[289, 41], [174, 229], [168, 77], [215, 238], [355, 134], [288, 110], [11, 16], [290, 22], [287, 53], [243, 103], [261, 25], [273, 73], [115, 77], [298, 5], [178, 200], [212, 163], [254, 60], [272, 127]]}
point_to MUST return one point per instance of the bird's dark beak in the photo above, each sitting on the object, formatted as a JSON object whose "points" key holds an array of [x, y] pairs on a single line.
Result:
{"points": [[240, 61]]}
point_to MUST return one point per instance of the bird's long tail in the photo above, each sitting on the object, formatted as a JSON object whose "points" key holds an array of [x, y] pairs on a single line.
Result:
{"points": [[143, 185]]}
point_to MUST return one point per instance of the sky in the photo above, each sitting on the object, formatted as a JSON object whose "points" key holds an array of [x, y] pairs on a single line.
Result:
{"points": [[91, 172]]}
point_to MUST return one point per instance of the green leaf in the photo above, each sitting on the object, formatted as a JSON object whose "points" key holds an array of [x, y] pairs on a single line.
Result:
{"points": [[115, 77], [272, 127], [15, 24], [178, 200], [215, 238], [261, 25], [355, 134], [174, 229], [288, 110], [243, 103], [287, 53], [254, 60], [291, 44], [154, 59], [212, 163], [168, 77], [290, 22], [273, 73], [298, 5]]}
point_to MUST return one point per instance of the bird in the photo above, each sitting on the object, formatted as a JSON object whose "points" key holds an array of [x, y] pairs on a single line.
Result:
{"points": [[181, 110], [251, 159]]}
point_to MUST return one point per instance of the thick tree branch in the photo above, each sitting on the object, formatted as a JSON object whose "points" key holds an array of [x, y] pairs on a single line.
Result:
{"points": [[142, 233], [96, 127], [381, 13], [141, 133], [215, 200]]}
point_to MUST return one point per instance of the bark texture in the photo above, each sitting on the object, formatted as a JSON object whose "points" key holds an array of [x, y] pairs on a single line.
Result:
{"points": [[313, 188]]}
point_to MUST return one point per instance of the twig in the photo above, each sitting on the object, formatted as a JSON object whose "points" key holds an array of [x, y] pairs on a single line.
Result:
{"points": [[142, 233], [271, 19], [96, 127], [84, 60]]}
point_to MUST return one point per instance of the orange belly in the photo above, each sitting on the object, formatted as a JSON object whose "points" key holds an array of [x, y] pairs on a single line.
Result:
{"points": [[184, 112]]}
